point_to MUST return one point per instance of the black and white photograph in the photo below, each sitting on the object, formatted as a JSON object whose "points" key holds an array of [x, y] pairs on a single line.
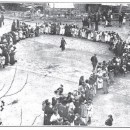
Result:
{"points": [[64, 64]]}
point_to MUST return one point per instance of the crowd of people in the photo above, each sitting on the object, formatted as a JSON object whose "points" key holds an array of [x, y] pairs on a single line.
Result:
{"points": [[68, 109], [74, 108]]}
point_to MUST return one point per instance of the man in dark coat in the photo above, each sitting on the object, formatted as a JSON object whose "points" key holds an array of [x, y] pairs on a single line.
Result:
{"points": [[63, 42], [94, 61]]}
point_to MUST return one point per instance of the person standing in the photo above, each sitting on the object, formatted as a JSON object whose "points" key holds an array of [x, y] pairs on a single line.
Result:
{"points": [[90, 111], [2, 19], [63, 42], [83, 108], [12, 56], [18, 24], [105, 83], [94, 61], [96, 21], [13, 27], [6, 54], [120, 19], [48, 112], [37, 30]]}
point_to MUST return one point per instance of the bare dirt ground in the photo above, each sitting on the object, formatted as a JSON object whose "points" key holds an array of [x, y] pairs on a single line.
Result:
{"points": [[47, 67]]}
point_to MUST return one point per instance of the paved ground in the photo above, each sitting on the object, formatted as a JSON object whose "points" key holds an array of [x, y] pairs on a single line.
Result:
{"points": [[47, 67]]}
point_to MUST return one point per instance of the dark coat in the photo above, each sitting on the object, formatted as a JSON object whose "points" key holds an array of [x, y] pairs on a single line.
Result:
{"points": [[62, 46], [109, 121]]}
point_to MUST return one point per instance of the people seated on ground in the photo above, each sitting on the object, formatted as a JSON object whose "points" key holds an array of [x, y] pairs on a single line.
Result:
{"points": [[109, 121]]}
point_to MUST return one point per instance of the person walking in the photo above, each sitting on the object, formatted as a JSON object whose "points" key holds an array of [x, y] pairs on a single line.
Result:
{"points": [[63, 43]]}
